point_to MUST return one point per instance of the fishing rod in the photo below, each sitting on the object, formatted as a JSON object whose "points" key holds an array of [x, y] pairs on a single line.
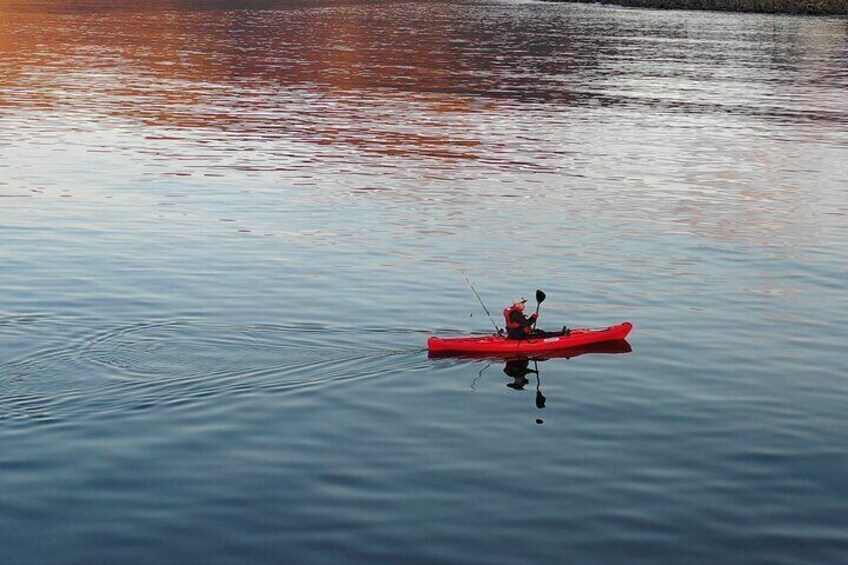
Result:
{"points": [[471, 286]]}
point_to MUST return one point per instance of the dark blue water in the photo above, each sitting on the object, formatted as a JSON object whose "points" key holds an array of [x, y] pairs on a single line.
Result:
{"points": [[227, 229]]}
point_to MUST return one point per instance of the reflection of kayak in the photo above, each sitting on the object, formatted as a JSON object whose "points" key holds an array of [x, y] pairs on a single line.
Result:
{"points": [[502, 346], [609, 347]]}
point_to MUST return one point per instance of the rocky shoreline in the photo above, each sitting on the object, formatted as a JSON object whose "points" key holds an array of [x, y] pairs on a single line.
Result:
{"points": [[810, 7]]}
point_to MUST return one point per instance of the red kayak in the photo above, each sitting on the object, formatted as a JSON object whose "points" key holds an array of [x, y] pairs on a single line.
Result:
{"points": [[500, 345], [606, 347]]}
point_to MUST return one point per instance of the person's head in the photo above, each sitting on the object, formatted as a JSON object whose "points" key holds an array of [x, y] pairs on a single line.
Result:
{"points": [[519, 303]]}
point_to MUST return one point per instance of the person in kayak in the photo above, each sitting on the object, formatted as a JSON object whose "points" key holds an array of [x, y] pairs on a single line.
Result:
{"points": [[520, 326]]}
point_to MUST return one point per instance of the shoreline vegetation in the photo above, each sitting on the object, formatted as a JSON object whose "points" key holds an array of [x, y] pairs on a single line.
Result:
{"points": [[809, 7]]}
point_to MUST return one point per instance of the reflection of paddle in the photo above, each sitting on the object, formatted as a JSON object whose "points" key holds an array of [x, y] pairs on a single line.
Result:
{"points": [[540, 398], [540, 297]]}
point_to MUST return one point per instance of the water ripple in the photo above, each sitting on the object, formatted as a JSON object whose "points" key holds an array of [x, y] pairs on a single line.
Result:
{"points": [[181, 362]]}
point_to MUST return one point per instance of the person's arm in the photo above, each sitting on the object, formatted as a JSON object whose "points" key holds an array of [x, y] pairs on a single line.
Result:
{"points": [[520, 318]]}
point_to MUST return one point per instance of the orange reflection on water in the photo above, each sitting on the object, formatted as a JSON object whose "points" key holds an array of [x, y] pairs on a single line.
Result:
{"points": [[693, 116], [279, 73]]}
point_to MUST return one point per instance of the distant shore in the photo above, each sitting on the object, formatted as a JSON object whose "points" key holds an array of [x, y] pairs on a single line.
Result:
{"points": [[811, 7]]}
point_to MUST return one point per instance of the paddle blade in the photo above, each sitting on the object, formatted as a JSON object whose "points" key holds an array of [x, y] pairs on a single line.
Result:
{"points": [[540, 400], [540, 296]]}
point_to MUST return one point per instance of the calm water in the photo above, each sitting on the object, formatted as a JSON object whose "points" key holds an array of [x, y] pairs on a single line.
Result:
{"points": [[227, 228]]}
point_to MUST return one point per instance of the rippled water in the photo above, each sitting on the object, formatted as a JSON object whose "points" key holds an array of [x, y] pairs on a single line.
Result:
{"points": [[227, 228]]}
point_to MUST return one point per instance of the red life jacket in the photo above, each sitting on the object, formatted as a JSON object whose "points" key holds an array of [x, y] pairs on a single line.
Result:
{"points": [[510, 325]]}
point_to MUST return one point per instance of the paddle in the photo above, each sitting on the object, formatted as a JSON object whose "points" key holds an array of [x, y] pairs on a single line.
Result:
{"points": [[540, 297]]}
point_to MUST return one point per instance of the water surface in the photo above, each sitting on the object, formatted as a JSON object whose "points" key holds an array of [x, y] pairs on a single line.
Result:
{"points": [[227, 228]]}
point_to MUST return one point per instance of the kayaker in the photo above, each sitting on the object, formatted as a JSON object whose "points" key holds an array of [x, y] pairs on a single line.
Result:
{"points": [[520, 326]]}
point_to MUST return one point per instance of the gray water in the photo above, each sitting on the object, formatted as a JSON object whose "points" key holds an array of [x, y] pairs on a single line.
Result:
{"points": [[227, 229]]}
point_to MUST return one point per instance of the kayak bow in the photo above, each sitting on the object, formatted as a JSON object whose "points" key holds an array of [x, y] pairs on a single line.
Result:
{"points": [[498, 344]]}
